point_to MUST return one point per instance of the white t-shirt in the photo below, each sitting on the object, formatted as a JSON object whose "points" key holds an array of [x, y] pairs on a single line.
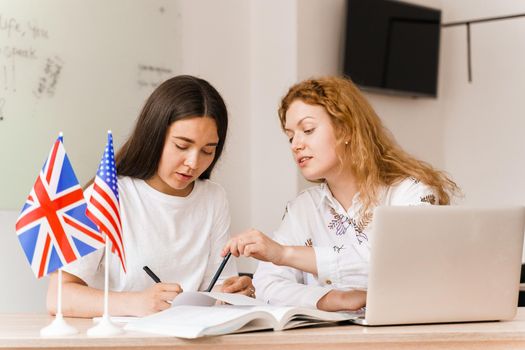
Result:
{"points": [[340, 240], [179, 238]]}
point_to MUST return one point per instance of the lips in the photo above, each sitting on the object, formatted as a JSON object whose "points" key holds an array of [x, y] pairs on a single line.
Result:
{"points": [[303, 159], [185, 176]]}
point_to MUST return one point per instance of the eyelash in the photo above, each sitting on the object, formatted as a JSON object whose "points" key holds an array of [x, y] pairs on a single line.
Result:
{"points": [[183, 148], [307, 132]]}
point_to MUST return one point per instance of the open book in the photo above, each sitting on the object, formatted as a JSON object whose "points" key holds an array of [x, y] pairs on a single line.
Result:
{"points": [[191, 321]]}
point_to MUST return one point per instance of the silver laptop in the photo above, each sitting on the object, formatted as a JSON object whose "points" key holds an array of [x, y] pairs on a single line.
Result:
{"points": [[432, 264]]}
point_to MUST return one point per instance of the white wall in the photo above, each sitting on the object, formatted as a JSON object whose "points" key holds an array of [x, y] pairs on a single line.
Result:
{"points": [[273, 59], [484, 147], [20, 291]]}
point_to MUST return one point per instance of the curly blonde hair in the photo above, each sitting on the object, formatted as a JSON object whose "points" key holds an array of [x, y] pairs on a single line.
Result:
{"points": [[375, 157]]}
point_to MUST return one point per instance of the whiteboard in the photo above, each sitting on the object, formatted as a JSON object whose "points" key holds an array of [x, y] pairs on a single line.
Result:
{"points": [[80, 67]]}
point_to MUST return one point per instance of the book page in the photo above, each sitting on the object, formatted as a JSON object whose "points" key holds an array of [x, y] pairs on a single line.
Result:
{"points": [[234, 299], [210, 298], [290, 317], [187, 321]]}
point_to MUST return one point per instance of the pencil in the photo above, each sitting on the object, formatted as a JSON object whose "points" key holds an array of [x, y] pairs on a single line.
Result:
{"points": [[218, 273]]}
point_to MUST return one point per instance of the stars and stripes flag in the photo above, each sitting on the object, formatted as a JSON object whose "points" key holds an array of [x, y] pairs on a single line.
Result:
{"points": [[103, 206], [53, 228]]}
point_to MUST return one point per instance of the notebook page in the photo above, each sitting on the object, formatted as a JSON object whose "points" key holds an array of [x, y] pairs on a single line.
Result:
{"points": [[188, 321], [287, 316], [210, 298]]}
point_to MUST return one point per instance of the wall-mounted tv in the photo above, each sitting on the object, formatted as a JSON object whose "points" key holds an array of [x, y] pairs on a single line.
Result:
{"points": [[393, 47]]}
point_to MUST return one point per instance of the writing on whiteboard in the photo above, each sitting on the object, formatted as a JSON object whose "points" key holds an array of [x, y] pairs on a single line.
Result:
{"points": [[152, 76], [13, 28], [18, 49], [49, 78], [2, 104]]}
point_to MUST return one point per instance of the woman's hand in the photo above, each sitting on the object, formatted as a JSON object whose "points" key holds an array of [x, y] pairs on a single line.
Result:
{"points": [[338, 300], [239, 285], [156, 298], [253, 243]]}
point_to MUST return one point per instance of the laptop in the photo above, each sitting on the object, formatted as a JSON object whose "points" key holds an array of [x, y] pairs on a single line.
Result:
{"points": [[434, 264]]}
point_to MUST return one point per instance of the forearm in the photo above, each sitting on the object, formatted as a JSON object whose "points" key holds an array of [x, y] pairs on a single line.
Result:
{"points": [[300, 258], [82, 301], [337, 300]]}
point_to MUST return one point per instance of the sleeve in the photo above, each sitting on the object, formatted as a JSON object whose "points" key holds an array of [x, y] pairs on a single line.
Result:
{"points": [[219, 237], [89, 268], [282, 285]]}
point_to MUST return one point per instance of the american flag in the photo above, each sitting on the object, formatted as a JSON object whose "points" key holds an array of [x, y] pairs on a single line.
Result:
{"points": [[103, 206], [53, 228]]}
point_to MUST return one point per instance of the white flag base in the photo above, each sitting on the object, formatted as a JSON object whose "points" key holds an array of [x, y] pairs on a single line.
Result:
{"points": [[104, 328], [57, 328]]}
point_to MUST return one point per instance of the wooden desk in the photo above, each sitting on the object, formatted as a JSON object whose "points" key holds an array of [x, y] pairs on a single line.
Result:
{"points": [[22, 331]]}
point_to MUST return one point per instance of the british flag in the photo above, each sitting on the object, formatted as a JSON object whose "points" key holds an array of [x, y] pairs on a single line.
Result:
{"points": [[53, 228], [103, 207]]}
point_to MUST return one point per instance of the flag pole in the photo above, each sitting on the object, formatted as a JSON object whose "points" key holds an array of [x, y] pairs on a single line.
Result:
{"points": [[59, 326], [105, 326]]}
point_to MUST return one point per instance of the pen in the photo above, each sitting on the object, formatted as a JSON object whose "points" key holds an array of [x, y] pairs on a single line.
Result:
{"points": [[218, 273], [151, 274]]}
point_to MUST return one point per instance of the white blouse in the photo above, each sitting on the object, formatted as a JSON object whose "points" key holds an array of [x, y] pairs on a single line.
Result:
{"points": [[339, 238]]}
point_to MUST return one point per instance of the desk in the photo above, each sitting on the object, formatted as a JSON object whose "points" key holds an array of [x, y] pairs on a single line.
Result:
{"points": [[22, 331]]}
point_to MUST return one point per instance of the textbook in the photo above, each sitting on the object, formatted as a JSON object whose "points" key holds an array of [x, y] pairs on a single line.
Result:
{"points": [[193, 321]]}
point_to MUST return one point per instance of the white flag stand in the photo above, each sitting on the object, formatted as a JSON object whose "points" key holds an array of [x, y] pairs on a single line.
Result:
{"points": [[59, 326], [105, 326]]}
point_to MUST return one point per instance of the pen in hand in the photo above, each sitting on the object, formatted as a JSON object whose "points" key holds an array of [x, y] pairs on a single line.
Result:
{"points": [[218, 273], [154, 278], [151, 274]]}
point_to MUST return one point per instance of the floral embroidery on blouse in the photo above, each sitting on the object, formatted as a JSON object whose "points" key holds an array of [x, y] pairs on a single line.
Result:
{"points": [[308, 242], [429, 198], [361, 225], [414, 180], [339, 223], [338, 249]]}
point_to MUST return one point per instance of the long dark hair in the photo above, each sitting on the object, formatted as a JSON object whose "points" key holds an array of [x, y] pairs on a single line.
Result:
{"points": [[181, 97]]}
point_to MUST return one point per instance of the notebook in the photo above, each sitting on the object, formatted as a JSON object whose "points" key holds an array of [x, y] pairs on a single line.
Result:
{"points": [[195, 317], [432, 264]]}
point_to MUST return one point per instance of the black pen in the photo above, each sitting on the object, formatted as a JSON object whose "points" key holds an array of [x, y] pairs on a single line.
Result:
{"points": [[151, 274], [218, 273]]}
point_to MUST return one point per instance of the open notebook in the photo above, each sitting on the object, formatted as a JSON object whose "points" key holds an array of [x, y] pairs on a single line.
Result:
{"points": [[247, 314]]}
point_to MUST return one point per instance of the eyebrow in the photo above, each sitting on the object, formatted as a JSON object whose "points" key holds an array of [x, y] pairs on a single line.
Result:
{"points": [[192, 141], [300, 121]]}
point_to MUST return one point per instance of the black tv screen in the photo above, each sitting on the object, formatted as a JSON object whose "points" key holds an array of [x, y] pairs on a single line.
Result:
{"points": [[392, 46]]}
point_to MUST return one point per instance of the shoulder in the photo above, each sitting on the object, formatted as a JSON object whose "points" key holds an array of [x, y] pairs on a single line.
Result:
{"points": [[310, 197], [410, 191], [126, 182], [210, 194], [210, 188]]}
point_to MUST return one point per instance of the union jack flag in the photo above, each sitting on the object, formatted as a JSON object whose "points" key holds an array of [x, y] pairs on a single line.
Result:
{"points": [[103, 206], [53, 228]]}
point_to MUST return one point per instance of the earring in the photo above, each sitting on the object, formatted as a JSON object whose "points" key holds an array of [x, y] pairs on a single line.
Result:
{"points": [[346, 143]]}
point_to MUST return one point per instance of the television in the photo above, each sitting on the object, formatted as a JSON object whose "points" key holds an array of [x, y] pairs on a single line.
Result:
{"points": [[392, 47]]}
